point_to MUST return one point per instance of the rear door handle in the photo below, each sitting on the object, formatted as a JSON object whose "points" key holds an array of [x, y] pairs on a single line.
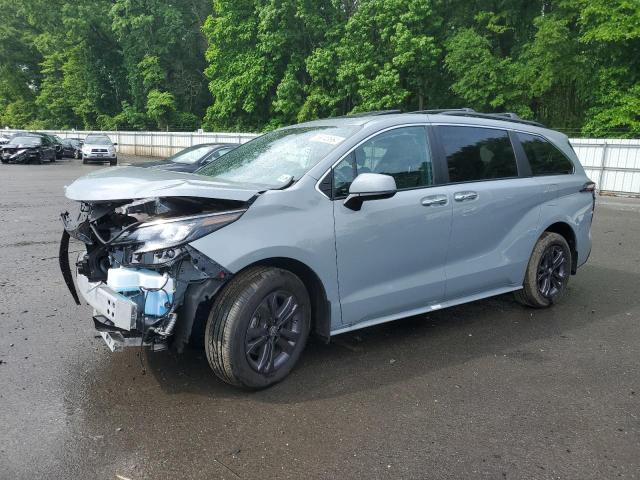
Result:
{"points": [[465, 196], [434, 200]]}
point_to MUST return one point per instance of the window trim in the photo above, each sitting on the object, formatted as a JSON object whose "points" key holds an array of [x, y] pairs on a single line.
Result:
{"points": [[531, 175], [445, 165], [524, 168], [424, 125], [517, 130], [439, 160]]}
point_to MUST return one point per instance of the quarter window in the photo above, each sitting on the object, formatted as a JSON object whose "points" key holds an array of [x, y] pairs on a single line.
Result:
{"points": [[402, 153], [474, 153], [544, 158]]}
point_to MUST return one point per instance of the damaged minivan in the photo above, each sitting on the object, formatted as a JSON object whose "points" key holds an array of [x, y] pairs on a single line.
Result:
{"points": [[326, 227]]}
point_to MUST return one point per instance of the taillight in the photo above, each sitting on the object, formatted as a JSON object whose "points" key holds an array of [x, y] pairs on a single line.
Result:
{"points": [[589, 187]]}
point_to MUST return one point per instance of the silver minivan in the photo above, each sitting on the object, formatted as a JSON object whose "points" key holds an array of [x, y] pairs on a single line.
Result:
{"points": [[327, 227]]}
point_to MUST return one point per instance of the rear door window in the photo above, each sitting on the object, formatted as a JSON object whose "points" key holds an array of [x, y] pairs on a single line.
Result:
{"points": [[544, 158], [476, 153]]}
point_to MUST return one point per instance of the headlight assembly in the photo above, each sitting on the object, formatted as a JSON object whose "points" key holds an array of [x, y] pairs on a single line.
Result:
{"points": [[171, 232]]}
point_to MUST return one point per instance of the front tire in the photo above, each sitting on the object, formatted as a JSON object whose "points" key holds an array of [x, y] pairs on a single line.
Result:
{"points": [[258, 327], [548, 272], [113, 162]]}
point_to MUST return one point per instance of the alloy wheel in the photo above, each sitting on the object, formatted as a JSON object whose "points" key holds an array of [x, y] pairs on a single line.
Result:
{"points": [[273, 332], [552, 271]]}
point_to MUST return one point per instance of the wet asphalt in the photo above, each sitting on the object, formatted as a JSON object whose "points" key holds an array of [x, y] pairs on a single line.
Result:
{"points": [[485, 390]]}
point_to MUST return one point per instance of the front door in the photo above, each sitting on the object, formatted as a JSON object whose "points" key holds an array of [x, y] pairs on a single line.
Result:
{"points": [[391, 253]]}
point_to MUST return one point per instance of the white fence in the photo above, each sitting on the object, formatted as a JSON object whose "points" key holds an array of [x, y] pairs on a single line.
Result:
{"points": [[613, 164], [156, 144]]}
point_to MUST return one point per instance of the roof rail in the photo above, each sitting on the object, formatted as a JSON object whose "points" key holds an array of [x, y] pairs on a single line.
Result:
{"points": [[373, 113], [469, 112], [448, 111]]}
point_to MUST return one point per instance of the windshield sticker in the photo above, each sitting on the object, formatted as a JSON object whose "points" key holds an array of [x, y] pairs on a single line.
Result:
{"points": [[325, 138], [285, 178]]}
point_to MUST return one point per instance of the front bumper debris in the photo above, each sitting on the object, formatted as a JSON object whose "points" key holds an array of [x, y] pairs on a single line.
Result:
{"points": [[116, 309], [117, 340], [19, 156]]}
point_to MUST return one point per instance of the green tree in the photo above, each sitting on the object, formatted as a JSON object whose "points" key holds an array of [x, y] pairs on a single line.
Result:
{"points": [[160, 107], [256, 55], [139, 64], [163, 49]]}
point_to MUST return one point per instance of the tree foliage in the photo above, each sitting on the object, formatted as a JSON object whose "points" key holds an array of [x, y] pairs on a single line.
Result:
{"points": [[260, 64]]}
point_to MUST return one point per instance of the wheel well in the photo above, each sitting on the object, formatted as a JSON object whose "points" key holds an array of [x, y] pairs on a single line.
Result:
{"points": [[320, 305], [564, 229]]}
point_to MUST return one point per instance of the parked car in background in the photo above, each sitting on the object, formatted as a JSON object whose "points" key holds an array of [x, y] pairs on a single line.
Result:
{"points": [[72, 147], [327, 227], [192, 158], [29, 148], [99, 148], [59, 147]]}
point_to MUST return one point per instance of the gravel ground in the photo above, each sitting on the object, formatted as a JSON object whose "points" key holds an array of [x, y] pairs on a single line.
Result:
{"points": [[484, 390]]}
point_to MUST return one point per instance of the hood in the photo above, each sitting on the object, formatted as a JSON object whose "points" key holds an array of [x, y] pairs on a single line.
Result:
{"points": [[98, 145], [151, 164], [165, 165], [125, 183]]}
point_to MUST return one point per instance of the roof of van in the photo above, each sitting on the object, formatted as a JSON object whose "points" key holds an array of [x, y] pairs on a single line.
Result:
{"points": [[455, 116]]}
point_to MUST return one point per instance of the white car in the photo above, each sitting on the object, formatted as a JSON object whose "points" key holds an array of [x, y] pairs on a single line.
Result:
{"points": [[99, 148]]}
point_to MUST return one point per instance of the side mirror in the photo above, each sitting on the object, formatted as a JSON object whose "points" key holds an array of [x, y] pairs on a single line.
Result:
{"points": [[369, 186], [115, 143]]}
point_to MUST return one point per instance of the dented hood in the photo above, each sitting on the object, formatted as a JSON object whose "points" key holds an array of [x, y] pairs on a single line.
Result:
{"points": [[124, 183]]}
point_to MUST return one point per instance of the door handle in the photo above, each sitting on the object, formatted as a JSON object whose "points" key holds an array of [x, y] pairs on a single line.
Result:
{"points": [[433, 200], [465, 196]]}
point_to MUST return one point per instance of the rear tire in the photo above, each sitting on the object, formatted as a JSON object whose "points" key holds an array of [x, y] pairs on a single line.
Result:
{"points": [[548, 272], [258, 327]]}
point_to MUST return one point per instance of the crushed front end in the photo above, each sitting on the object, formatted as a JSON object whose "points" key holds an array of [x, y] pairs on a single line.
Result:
{"points": [[138, 271], [19, 154]]}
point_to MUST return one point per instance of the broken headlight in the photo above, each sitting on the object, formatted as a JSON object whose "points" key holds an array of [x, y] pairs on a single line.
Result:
{"points": [[165, 233]]}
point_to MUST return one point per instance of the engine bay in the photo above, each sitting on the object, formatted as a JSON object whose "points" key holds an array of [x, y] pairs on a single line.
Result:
{"points": [[137, 260]]}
